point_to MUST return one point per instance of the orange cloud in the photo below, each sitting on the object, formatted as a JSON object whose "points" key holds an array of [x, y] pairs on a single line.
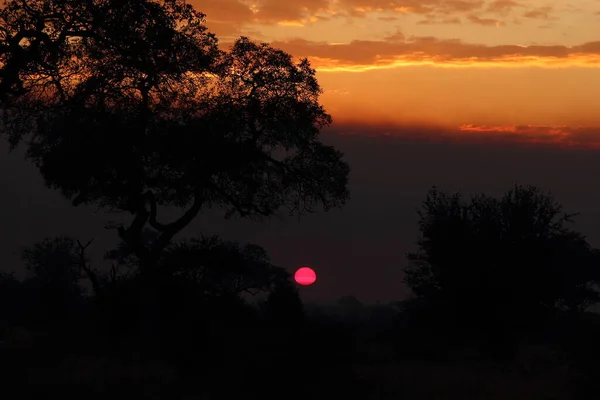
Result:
{"points": [[227, 17], [563, 136], [358, 7], [300, 12], [559, 136], [502, 7], [484, 21], [362, 55], [450, 21], [539, 13]]}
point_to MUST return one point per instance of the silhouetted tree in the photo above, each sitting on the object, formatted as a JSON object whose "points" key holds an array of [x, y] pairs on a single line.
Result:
{"points": [[501, 264], [222, 268], [55, 295], [11, 300], [131, 106], [123, 256], [140, 109], [55, 262], [211, 280], [283, 305], [206, 282], [53, 266], [210, 266], [63, 260]]}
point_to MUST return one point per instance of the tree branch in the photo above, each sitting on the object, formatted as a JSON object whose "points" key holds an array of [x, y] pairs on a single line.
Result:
{"points": [[133, 235], [243, 209], [170, 230], [153, 211], [175, 225], [85, 267]]}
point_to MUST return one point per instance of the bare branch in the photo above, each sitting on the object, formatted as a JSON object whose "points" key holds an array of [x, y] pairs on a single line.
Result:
{"points": [[86, 268], [175, 227]]}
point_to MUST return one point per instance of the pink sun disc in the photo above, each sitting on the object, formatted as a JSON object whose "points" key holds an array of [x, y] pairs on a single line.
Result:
{"points": [[305, 276]]}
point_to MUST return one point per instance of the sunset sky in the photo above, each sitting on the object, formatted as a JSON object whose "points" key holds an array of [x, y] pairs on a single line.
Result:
{"points": [[530, 69], [462, 94]]}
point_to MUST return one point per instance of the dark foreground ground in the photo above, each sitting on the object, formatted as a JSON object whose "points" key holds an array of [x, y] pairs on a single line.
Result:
{"points": [[98, 378], [320, 360], [373, 377]]}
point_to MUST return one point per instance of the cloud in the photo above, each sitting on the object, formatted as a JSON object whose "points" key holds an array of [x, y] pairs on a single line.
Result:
{"points": [[485, 21], [337, 92], [525, 135], [440, 7], [388, 19], [563, 136], [502, 7], [227, 17], [448, 21], [290, 12], [540, 13], [396, 37], [362, 55]]}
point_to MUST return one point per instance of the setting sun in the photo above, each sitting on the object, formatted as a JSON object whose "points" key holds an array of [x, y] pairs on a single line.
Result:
{"points": [[305, 276]]}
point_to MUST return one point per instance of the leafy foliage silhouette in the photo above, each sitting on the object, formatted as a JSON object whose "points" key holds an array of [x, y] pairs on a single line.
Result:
{"points": [[501, 264], [55, 261], [132, 106]]}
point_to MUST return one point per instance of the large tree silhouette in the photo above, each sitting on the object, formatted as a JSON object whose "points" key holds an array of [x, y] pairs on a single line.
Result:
{"points": [[131, 106], [501, 264]]}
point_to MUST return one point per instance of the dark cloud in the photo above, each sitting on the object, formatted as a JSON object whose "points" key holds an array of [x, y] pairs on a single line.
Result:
{"points": [[384, 52], [562, 136]]}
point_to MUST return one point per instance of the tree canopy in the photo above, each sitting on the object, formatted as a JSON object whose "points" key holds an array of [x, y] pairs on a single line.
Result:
{"points": [[132, 106], [222, 268], [505, 259], [55, 261]]}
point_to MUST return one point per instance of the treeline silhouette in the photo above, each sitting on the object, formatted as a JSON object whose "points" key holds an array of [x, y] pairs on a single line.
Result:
{"points": [[131, 106]]}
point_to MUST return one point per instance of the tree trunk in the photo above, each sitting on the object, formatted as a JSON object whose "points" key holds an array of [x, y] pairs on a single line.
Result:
{"points": [[149, 310]]}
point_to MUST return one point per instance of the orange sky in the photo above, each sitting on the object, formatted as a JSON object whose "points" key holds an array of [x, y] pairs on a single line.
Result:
{"points": [[475, 64]]}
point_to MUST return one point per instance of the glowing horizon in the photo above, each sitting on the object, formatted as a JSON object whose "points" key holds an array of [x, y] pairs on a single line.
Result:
{"points": [[494, 63]]}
